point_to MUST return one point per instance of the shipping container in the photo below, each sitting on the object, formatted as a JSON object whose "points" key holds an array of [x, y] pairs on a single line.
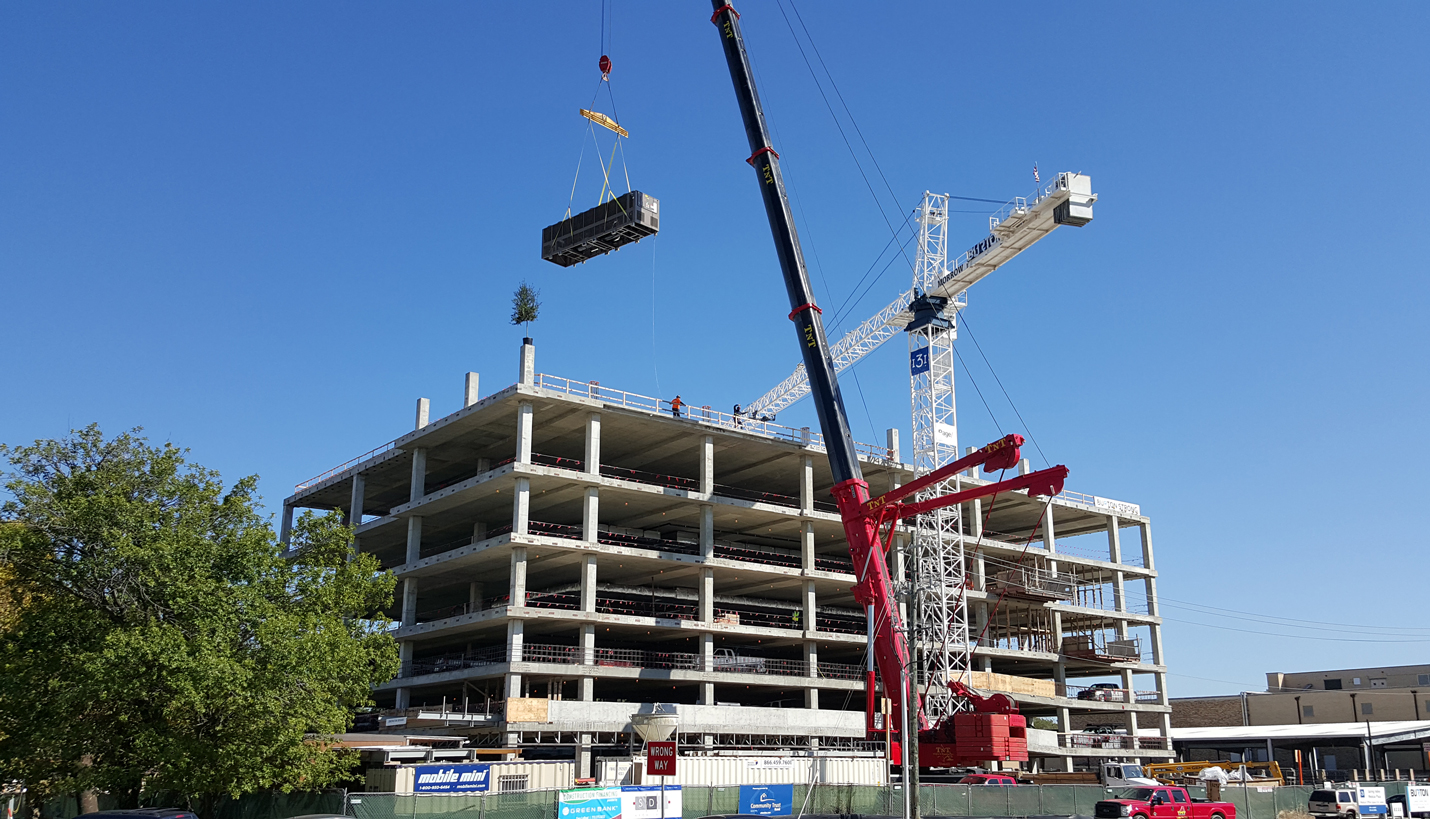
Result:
{"points": [[748, 770], [499, 777]]}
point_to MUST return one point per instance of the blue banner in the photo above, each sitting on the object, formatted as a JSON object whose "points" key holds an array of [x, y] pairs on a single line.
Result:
{"points": [[451, 778], [919, 361], [767, 800]]}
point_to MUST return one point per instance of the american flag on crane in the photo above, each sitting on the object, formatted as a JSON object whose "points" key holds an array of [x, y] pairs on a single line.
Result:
{"points": [[1036, 179]]}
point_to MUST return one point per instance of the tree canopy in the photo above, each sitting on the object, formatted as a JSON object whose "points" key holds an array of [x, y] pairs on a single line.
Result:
{"points": [[154, 635]]}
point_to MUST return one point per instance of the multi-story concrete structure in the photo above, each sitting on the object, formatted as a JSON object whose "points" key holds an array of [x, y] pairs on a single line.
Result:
{"points": [[569, 553]]}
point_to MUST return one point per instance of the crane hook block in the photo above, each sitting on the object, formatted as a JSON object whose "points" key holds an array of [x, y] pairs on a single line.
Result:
{"points": [[605, 65], [606, 227]]}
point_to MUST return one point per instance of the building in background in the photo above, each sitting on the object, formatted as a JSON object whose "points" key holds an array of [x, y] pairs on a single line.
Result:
{"points": [[571, 554]]}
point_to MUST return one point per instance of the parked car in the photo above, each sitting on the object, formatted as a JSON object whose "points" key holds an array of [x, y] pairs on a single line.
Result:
{"points": [[1103, 692], [988, 779], [1336, 802]]}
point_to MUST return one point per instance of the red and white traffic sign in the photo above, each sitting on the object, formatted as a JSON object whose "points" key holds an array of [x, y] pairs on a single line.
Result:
{"points": [[660, 758]]}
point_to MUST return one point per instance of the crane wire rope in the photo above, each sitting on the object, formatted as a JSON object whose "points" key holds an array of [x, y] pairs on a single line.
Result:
{"points": [[964, 323], [847, 144]]}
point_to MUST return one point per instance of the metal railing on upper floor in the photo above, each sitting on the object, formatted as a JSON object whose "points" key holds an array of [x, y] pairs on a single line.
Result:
{"points": [[723, 662], [703, 414]]}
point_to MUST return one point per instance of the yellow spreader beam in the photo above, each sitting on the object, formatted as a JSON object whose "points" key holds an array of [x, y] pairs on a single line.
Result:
{"points": [[604, 121]]}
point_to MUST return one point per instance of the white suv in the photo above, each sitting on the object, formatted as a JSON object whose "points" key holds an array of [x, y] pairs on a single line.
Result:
{"points": [[1338, 802]]}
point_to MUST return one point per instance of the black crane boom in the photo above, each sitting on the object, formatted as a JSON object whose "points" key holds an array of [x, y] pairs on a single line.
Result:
{"points": [[814, 347]]}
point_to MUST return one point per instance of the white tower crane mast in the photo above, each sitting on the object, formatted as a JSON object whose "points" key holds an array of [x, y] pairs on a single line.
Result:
{"points": [[938, 614]]}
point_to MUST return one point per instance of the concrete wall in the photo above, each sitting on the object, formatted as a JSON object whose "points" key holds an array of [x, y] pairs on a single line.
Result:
{"points": [[1356, 679], [1333, 706], [1207, 712]]}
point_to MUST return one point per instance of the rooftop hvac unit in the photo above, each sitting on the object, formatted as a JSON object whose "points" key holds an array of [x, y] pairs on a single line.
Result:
{"points": [[604, 228]]}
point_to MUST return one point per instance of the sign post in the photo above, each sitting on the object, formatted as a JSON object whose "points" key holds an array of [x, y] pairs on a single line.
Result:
{"points": [[660, 761]]}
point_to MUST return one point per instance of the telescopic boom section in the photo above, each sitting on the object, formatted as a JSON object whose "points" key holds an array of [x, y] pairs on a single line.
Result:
{"points": [[850, 490]]}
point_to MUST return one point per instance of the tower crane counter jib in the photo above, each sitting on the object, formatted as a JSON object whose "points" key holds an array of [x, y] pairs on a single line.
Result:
{"points": [[866, 519]]}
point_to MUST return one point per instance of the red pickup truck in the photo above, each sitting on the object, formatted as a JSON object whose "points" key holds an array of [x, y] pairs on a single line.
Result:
{"points": [[1162, 803]]}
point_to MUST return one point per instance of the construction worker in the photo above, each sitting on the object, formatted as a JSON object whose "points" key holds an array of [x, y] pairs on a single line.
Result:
{"points": [[675, 406], [795, 618], [739, 422]]}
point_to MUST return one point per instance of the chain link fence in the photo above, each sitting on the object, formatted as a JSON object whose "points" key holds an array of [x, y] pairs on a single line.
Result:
{"points": [[827, 800]]}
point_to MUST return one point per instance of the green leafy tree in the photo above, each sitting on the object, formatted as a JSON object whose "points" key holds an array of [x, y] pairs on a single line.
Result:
{"points": [[525, 305], [154, 637]]}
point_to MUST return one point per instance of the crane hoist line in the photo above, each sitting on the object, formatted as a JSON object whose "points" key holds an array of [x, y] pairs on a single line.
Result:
{"points": [[992, 730]]}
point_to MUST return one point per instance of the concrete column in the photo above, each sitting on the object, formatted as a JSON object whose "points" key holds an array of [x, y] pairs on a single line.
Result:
{"points": [[809, 624], [469, 393], [583, 756], [591, 515], [707, 465], [806, 547], [515, 630], [707, 595], [1132, 722], [1151, 586], [521, 507], [593, 444], [707, 662], [975, 530], [409, 602], [424, 408], [516, 589], [707, 531], [524, 421], [811, 659], [528, 363], [806, 485], [1024, 467], [474, 596], [1050, 538], [414, 539], [479, 531], [588, 659], [404, 655], [285, 525], [588, 584], [355, 500], [1119, 580], [891, 439], [418, 485]]}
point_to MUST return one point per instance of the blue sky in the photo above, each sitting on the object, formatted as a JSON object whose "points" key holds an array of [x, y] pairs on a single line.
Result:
{"points": [[263, 230]]}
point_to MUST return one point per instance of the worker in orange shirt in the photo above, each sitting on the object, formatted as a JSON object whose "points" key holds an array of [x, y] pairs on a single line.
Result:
{"points": [[675, 406]]}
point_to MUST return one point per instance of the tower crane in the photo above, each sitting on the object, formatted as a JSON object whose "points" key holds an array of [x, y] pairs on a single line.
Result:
{"points": [[869, 523]]}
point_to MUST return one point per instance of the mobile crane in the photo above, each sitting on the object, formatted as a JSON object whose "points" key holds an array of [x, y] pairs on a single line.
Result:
{"points": [[991, 729]]}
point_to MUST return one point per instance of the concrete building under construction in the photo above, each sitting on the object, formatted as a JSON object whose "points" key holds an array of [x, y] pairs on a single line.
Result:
{"points": [[570, 554]]}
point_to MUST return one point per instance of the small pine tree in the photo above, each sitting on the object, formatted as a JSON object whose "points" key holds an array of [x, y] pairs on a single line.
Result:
{"points": [[525, 305]]}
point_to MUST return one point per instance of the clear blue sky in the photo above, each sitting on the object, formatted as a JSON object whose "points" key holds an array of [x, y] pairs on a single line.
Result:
{"points": [[262, 230]]}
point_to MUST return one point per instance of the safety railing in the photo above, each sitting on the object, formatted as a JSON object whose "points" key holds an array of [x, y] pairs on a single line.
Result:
{"points": [[1125, 742], [1101, 693], [700, 414], [722, 662], [323, 476]]}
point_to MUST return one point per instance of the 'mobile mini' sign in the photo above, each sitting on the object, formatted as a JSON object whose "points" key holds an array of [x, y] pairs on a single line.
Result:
{"points": [[451, 778]]}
